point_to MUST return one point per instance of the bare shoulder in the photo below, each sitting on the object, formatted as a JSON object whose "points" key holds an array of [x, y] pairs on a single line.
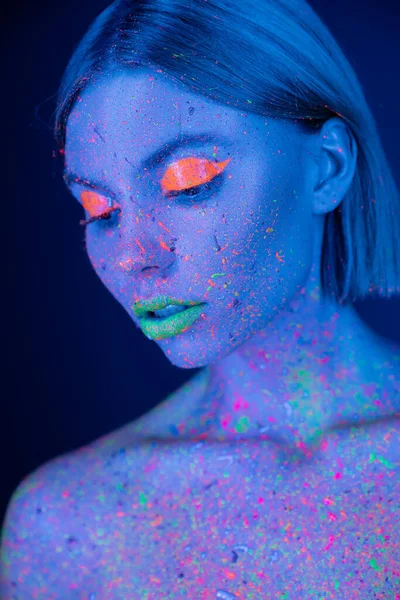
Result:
{"points": [[52, 540], [60, 511], [39, 491], [33, 533]]}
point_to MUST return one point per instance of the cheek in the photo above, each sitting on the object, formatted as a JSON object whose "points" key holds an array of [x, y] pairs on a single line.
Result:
{"points": [[289, 261], [270, 249], [93, 251], [104, 252], [100, 256]]}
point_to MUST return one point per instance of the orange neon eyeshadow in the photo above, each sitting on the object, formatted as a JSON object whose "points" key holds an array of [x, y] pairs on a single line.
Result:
{"points": [[189, 172], [94, 203]]}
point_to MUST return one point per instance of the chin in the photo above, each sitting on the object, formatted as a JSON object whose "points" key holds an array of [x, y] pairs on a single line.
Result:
{"points": [[191, 353]]}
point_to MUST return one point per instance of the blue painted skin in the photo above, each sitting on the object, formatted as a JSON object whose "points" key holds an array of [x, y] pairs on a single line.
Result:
{"points": [[256, 236], [268, 490]]}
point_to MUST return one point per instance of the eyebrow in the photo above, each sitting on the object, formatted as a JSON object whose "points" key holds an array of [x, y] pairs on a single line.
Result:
{"points": [[190, 139]]}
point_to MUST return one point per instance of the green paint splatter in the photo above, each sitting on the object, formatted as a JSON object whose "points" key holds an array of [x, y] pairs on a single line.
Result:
{"points": [[373, 564], [373, 457], [385, 462], [242, 425], [142, 499]]}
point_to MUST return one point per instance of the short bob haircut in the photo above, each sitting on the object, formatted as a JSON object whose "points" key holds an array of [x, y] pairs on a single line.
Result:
{"points": [[269, 57]]}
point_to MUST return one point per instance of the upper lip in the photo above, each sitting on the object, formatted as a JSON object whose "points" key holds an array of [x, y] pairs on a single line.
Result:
{"points": [[141, 308]]}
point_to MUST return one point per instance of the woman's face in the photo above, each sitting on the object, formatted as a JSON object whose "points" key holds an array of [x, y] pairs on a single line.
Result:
{"points": [[243, 244]]}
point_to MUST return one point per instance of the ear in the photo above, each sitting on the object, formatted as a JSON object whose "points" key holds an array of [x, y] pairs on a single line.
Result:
{"points": [[335, 152]]}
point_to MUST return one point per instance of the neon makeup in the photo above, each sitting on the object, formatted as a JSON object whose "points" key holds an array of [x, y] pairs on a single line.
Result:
{"points": [[191, 172], [94, 203], [159, 329], [184, 174], [90, 203]]}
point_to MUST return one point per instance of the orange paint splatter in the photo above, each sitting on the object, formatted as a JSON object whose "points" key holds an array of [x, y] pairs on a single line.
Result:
{"points": [[164, 246]]}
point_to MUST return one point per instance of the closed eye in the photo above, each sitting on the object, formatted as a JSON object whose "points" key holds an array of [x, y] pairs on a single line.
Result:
{"points": [[189, 178], [190, 173], [198, 192], [98, 207], [105, 216]]}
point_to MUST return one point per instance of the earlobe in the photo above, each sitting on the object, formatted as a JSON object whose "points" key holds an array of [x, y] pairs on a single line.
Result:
{"points": [[337, 160]]}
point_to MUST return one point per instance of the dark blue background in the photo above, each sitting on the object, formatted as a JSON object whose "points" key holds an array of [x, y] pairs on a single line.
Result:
{"points": [[76, 367]]}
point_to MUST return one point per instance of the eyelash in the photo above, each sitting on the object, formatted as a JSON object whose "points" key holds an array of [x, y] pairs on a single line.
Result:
{"points": [[105, 216], [209, 186]]}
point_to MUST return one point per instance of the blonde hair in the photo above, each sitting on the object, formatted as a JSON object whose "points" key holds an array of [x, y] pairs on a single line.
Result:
{"points": [[289, 66]]}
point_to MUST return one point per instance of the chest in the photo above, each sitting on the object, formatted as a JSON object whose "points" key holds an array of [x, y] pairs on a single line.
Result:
{"points": [[197, 524]]}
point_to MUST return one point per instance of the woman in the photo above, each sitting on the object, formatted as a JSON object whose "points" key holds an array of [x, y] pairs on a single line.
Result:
{"points": [[250, 189]]}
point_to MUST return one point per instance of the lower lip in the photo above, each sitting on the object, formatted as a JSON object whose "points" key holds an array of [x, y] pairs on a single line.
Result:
{"points": [[158, 329]]}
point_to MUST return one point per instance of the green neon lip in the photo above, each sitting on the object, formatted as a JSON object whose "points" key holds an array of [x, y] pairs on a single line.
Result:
{"points": [[159, 329], [142, 308]]}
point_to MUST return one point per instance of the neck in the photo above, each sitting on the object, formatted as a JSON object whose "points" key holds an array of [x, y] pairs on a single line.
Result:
{"points": [[284, 380]]}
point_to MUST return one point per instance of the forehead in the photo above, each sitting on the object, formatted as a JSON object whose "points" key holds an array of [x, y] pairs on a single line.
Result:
{"points": [[147, 98], [143, 110], [125, 116]]}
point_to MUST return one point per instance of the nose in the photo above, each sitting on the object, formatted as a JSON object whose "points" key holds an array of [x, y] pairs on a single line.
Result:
{"points": [[136, 257], [144, 240]]}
